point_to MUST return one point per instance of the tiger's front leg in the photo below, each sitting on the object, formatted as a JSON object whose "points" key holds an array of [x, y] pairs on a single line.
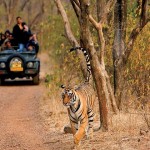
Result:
{"points": [[74, 127], [81, 131], [73, 123]]}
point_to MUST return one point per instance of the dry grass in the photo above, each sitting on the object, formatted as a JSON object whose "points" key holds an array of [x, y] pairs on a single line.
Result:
{"points": [[127, 131]]}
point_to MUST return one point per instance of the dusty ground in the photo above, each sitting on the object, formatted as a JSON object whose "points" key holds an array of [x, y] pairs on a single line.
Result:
{"points": [[29, 120]]}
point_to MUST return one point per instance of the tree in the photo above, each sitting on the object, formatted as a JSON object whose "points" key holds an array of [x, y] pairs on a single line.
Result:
{"points": [[71, 37], [121, 48], [99, 73], [10, 8]]}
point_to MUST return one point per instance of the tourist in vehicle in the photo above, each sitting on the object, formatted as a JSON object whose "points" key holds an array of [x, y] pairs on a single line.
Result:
{"points": [[5, 38], [26, 33], [2, 38], [7, 33], [12, 40], [8, 45], [18, 33], [30, 48], [8, 37], [33, 42]]}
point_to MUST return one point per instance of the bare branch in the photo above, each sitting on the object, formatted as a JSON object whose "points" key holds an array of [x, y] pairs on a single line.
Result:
{"points": [[5, 5], [38, 16], [98, 27], [110, 4], [135, 32], [70, 36], [93, 21], [76, 2], [24, 5], [1, 2], [76, 6], [144, 16]]}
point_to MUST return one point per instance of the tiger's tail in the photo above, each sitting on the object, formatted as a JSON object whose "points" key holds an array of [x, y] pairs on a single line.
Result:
{"points": [[87, 61]]}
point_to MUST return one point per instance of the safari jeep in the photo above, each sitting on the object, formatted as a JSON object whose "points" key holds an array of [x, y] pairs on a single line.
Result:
{"points": [[14, 64]]}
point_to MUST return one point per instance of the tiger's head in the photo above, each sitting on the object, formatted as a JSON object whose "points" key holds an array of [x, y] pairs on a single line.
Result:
{"points": [[68, 96]]}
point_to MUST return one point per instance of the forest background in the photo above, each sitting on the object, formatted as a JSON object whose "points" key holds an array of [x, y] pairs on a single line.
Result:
{"points": [[44, 19]]}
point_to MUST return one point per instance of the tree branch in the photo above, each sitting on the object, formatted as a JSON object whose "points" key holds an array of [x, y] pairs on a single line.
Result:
{"points": [[136, 31], [98, 27], [38, 16], [1, 2], [24, 5], [76, 6], [110, 4], [70, 36]]}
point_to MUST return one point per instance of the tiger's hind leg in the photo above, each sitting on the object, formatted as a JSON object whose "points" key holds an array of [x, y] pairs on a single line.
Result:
{"points": [[90, 124]]}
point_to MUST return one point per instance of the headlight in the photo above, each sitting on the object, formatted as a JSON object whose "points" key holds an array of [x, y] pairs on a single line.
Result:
{"points": [[2, 65], [30, 64]]}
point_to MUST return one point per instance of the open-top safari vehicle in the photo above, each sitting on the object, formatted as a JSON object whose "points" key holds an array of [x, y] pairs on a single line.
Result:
{"points": [[15, 64]]}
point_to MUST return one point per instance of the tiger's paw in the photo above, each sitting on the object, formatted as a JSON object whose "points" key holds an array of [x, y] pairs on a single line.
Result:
{"points": [[90, 134], [77, 147], [77, 143]]}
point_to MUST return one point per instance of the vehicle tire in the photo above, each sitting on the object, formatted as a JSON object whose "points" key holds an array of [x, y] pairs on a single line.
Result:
{"points": [[2, 81], [36, 79]]}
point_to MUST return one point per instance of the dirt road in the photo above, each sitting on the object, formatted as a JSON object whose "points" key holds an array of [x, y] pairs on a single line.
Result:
{"points": [[28, 122], [20, 124], [22, 127]]}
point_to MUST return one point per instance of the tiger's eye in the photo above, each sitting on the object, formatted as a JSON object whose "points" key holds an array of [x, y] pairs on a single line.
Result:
{"points": [[63, 95]]}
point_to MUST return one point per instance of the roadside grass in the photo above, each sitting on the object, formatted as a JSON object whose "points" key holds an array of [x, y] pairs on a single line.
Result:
{"points": [[127, 130]]}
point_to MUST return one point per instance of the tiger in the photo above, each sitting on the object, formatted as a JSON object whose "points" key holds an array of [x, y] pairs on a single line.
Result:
{"points": [[79, 102]]}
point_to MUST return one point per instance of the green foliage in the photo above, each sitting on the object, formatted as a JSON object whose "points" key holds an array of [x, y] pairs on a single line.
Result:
{"points": [[138, 70], [67, 69], [133, 8], [66, 64]]}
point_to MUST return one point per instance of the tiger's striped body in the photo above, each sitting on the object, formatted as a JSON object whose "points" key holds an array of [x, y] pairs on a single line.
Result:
{"points": [[79, 102]]}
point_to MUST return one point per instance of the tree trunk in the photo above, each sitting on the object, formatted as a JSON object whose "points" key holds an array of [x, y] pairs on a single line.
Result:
{"points": [[100, 76], [119, 48], [122, 50], [100, 8], [98, 72]]}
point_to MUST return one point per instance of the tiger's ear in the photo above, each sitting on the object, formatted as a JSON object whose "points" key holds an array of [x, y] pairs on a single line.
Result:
{"points": [[62, 86], [76, 87]]}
